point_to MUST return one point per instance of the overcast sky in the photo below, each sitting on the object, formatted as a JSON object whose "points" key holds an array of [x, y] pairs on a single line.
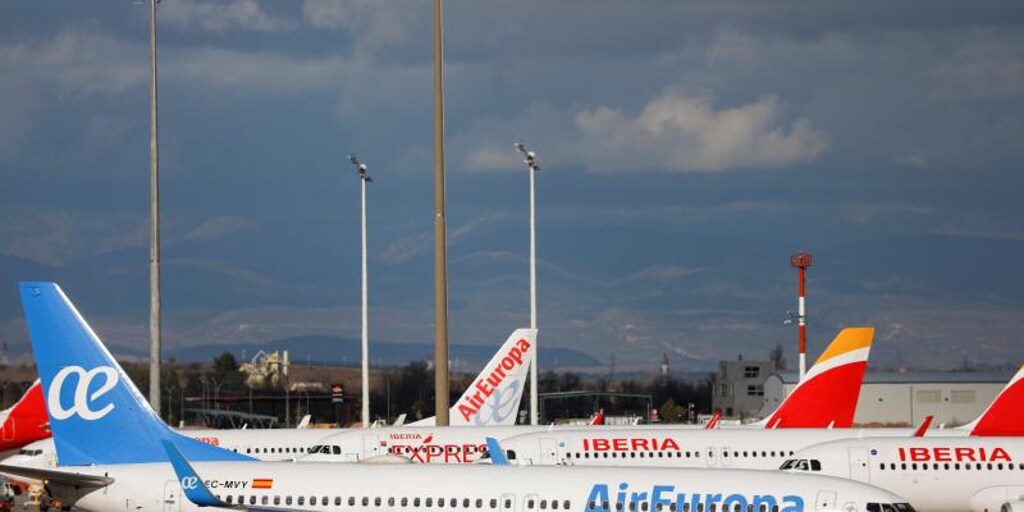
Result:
{"points": [[688, 149]]}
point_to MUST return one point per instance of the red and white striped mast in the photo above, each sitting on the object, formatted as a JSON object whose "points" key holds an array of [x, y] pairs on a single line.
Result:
{"points": [[801, 261]]}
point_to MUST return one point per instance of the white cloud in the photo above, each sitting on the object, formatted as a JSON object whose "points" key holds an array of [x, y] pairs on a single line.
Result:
{"points": [[222, 16], [686, 133], [372, 23]]}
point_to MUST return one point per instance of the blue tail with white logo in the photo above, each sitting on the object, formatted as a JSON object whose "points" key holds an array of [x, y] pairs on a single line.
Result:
{"points": [[97, 415]]}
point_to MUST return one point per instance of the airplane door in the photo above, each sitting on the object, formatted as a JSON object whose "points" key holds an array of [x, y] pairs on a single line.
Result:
{"points": [[860, 470], [826, 500], [172, 494], [726, 456], [371, 446], [548, 451], [712, 458], [508, 503]]}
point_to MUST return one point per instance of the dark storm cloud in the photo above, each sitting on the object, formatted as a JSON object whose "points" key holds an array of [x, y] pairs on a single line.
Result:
{"points": [[688, 147]]}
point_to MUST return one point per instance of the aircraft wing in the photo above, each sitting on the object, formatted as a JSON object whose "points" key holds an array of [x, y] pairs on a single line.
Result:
{"points": [[54, 475]]}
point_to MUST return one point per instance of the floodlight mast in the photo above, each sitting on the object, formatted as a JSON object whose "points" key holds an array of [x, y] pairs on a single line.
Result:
{"points": [[530, 159], [364, 178], [154, 224]]}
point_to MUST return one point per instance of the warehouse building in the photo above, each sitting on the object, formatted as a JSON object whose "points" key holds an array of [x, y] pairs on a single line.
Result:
{"points": [[905, 399], [739, 387]]}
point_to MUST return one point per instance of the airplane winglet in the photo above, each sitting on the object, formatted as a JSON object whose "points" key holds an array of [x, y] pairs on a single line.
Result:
{"points": [[921, 429], [193, 486], [498, 456]]}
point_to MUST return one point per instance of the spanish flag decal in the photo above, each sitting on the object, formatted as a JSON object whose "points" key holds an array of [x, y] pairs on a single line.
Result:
{"points": [[262, 483]]}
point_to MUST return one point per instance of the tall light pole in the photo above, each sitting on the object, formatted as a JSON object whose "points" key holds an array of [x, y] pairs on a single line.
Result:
{"points": [[440, 236], [530, 158], [364, 178], [802, 261], [154, 224]]}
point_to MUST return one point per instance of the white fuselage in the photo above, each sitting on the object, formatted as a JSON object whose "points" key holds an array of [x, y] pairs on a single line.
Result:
{"points": [[413, 487], [661, 447], [933, 474]]}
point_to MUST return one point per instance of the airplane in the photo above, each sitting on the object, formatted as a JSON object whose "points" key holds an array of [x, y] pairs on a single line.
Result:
{"points": [[25, 421], [116, 454], [723, 447], [935, 474], [491, 400], [827, 397]]}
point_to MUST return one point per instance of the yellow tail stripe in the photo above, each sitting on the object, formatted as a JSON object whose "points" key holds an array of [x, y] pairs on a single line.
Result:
{"points": [[848, 340]]}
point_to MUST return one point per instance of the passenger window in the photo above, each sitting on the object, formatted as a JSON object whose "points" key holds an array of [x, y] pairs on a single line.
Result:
{"points": [[277, 500], [391, 501], [529, 504], [479, 503], [416, 502], [287, 500], [252, 500], [302, 500], [366, 501], [543, 504], [351, 501], [454, 502], [566, 504], [405, 502], [376, 501], [429, 502], [494, 503], [337, 501], [465, 503]]}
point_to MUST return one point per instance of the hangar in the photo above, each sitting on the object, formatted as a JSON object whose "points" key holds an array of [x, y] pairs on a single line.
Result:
{"points": [[905, 399]]}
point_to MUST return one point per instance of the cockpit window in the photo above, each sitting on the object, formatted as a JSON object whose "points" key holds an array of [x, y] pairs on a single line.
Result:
{"points": [[890, 507], [802, 465]]}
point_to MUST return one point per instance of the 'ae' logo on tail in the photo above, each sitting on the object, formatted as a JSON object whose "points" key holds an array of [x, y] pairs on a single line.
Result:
{"points": [[83, 400]]}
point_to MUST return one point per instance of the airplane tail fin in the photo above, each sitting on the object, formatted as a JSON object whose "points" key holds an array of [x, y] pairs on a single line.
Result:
{"points": [[97, 415], [26, 421], [598, 418], [828, 394], [1005, 415], [493, 398]]}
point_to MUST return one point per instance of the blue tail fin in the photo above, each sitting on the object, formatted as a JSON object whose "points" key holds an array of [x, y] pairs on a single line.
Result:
{"points": [[97, 415]]}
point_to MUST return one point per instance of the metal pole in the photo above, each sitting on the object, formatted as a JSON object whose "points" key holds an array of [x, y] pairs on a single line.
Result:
{"points": [[154, 224], [802, 321], [530, 158], [533, 298], [366, 336], [440, 237]]}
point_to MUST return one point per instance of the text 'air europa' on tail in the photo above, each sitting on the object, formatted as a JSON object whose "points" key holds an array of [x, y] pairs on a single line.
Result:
{"points": [[96, 413], [1005, 415], [493, 398], [827, 396]]}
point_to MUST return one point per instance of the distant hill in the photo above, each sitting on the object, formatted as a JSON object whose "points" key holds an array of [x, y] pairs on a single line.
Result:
{"points": [[330, 350]]}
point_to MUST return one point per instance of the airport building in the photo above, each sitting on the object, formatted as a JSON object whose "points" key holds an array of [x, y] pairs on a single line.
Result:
{"points": [[895, 399], [739, 387]]}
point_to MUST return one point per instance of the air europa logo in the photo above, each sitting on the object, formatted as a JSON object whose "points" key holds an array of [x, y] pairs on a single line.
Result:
{"points": [[661, 497], [490, 381], [625, 444], [82, 405], [958, 454]]}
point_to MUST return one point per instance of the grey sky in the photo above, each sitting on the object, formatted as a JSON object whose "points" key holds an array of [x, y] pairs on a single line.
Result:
{"points": [[688, 148]]}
